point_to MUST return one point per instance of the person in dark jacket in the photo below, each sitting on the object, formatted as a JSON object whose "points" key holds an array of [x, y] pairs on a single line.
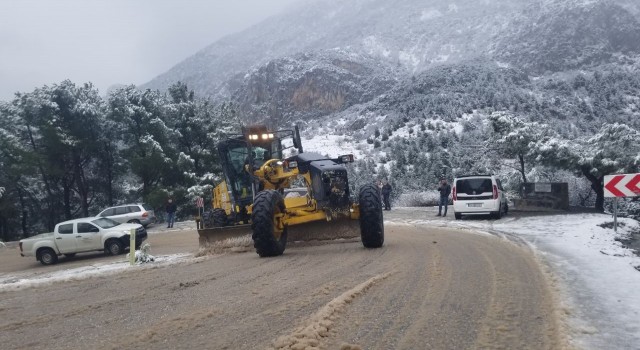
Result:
{"points": [[170, 208], [386, 193], [445, 191]]}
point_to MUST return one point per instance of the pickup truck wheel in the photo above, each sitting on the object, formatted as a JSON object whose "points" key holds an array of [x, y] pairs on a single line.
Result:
{"points": [[48, 256], [113, 247], [70, 255]]}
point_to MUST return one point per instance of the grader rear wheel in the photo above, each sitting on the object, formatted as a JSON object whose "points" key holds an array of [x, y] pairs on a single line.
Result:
{"points": [[371, 220], [267, 238], [219, 217]]}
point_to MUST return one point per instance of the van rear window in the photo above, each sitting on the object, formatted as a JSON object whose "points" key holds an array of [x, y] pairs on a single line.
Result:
{"points": [[474, 186], [147, 207]]}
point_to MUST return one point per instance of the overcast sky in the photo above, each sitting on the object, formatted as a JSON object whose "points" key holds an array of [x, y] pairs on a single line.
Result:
{"points": [[111, 42]]}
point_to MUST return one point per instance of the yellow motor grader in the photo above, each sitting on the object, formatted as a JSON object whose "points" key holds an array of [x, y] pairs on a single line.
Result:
{"points": [[278, 199]]}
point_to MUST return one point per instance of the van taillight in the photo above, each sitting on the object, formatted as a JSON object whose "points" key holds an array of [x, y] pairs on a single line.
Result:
{"points": [[20, 247], [455, 196], [145, 214], [495, 192]]}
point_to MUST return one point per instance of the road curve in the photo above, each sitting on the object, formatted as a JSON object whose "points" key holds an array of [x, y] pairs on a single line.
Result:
{"points": [[425, 289]]}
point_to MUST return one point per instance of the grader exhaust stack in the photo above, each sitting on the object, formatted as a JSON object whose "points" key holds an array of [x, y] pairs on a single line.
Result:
{"points": [[257, 199]]}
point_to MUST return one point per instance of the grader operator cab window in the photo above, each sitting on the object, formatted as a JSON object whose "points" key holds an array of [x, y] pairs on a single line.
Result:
{"points": [[240, 179]]}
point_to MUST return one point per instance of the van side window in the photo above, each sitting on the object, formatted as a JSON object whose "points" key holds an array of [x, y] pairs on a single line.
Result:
{"points": [[122, 210], [65, 229]]}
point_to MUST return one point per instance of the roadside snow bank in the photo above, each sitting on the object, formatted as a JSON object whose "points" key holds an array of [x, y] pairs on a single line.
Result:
{"points": [[600, 271], [13, 282]]}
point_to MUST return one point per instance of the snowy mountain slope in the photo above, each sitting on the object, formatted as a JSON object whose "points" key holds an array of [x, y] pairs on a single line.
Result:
{"points": [[560, 35], [436, 123], [410, 83], [413, 33], [325, 56], [582, 100], [311, 85]]}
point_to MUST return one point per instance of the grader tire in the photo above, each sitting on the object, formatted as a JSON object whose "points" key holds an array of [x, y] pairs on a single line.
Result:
{"points": [[266, 205], [219, 217], [207, 219], [371, 220]]}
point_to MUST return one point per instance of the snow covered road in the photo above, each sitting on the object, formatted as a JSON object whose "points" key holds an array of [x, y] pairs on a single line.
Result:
{"points": [[426, 288], [597, 277], [437, 283]]}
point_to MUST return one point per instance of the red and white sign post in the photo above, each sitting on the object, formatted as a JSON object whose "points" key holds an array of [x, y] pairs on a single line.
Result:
{"points": [[621, 186]]}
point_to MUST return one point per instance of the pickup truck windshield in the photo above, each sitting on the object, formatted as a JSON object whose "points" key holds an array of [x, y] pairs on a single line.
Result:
{"points": [[105, 223]]}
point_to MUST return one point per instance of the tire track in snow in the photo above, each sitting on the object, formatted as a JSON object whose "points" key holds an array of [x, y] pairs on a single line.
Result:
{"points": [[317, 327]]}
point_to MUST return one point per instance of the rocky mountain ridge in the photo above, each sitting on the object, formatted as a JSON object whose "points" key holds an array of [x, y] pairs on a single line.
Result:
{"points": [[325, 56]]}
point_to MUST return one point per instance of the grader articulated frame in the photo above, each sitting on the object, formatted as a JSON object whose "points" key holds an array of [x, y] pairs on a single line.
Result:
{"points": [[257, 197]]}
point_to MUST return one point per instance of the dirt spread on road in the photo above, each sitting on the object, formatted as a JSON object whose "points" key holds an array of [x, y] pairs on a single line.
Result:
{"points": [[426, 288]]}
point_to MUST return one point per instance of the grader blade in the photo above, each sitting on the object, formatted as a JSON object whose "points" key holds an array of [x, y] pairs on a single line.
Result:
{"points": [[324, 230], [238, 238], [212, 236]]}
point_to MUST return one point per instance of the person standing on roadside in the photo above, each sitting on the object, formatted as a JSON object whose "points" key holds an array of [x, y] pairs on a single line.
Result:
{"points": [[386, 193], [445, 191], [170, 208]]}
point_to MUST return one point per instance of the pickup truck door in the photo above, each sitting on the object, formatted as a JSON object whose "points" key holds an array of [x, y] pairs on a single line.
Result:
{"points": [[65, 238], [88, 237]]}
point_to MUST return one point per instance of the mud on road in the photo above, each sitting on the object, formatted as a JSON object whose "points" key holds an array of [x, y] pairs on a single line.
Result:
{"points": [[427, 288]]}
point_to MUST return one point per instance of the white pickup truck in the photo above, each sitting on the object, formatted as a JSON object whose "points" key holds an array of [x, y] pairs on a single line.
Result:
{"points": [[81, 235]]}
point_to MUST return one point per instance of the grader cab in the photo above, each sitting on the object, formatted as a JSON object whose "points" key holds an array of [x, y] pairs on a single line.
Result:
{"points": [[258, 195]]}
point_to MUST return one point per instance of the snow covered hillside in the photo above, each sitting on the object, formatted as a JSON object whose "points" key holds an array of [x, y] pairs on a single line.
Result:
{"points": [[412, 34], [411, 84]]}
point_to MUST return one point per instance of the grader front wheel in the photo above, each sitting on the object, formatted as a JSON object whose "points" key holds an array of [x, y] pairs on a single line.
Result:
{"points": [[371, 221], [268, 239]]}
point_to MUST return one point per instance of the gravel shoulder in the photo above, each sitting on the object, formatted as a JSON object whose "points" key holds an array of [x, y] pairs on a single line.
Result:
{"points": [[426, 288]]}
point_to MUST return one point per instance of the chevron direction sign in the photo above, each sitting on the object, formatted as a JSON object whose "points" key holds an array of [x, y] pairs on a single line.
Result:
{"points": [[625, 185]]}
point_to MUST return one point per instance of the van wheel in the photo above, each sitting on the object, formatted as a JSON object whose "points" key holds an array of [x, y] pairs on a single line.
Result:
{"points": [[48, 256], [113, 247], [458, 216]]}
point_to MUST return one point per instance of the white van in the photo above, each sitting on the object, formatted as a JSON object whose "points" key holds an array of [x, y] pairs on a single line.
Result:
{"points": [[478, 195]]}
